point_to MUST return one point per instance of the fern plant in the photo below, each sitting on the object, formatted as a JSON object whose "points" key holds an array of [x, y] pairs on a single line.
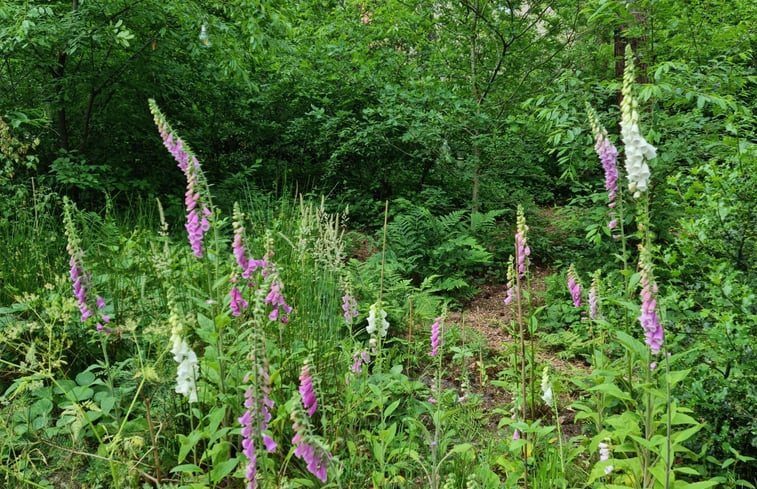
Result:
{"points": [[449, 247]]}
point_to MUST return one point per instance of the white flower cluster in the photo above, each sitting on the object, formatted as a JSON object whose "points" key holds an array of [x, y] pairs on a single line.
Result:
{"points": [[638, 150], [604, 456], [186, 372], [546, 388], [373, 315]]}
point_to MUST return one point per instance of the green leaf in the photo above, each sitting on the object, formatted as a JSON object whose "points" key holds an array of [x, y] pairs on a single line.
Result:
{"points": [[698, 485], [85, 378], [223, 469], [107, 403], [611, 390], [191, 468], [684, 435], [187, 443], [462, 448], [390, 409], [635, 346], [677, 376]]}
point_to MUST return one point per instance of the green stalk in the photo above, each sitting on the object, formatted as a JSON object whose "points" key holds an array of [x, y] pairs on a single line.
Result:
{"points": [[523, 376], [669, 424]]}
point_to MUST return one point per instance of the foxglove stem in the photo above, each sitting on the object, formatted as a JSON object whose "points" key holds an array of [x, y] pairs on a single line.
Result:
{"points": [[274, 297], [521, 259], [81, 280], [197, 205]]}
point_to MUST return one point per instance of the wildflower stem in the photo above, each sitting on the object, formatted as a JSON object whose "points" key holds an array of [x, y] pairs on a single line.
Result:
{"points": [[669, 424], [383, 251], [523, 376]]}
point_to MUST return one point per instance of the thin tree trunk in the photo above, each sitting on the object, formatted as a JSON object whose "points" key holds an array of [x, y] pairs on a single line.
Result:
{"points": [[58, 73], [476, 150]]}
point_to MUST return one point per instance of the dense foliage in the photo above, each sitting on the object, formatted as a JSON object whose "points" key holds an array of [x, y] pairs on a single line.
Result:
{"points": [[424, 125]]}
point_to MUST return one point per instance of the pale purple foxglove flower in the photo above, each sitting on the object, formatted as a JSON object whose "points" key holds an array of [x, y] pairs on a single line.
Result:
{"points": [[198, 210], [435, 336], [649, 321], [349, 306], [358, 360], [306, 390], [574, 286], [522, 251], [81, 280], [594, 297], [237, 303], [511, 289], [248, 449], [312, 452], [608, 155], [276, 299]]}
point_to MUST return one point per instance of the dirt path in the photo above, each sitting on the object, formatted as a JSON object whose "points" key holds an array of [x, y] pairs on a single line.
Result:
{"points": [[488, 315], [490, 318]]}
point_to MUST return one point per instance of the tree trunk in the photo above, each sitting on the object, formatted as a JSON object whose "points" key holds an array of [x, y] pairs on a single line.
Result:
{"points": [[58, 73]]}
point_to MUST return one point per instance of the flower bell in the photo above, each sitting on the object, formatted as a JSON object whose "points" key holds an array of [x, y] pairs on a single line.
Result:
{"points": [[204, 38]]}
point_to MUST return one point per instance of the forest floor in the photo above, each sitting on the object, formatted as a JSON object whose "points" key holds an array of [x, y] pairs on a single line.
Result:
{"points": [[494, 322]]}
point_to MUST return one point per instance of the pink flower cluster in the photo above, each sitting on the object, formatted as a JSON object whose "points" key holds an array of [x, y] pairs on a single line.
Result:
{"points": [[648, 318], [237, 303], [522, 251], [248, 442], [593, 302], [608, 155], [104, 318], [248, 265], [574, 286], [511, 291], [81, 284], [307, 447], [358, 360], [254, 424], [435, 336], [198, 211], [316, 458], [349, 306], [81, 280], [306, 390], [274, 297]]}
